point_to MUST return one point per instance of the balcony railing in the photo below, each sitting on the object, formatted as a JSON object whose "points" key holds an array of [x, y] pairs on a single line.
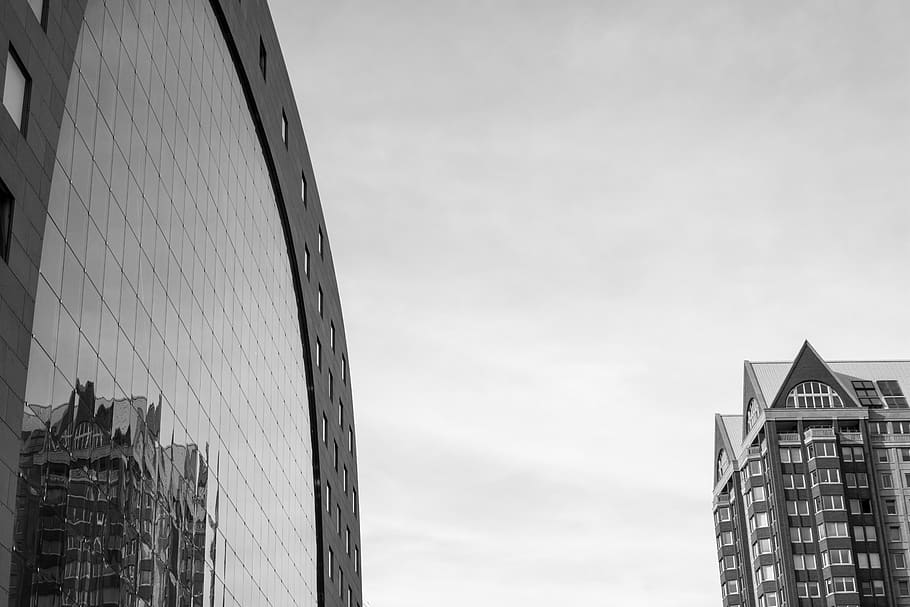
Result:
{"points": [[851, 437], [789, 437], [814, 433]]}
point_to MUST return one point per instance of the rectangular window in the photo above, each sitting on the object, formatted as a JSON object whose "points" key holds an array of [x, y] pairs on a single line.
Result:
{"points": [[887, 480], [331, 385], [878, 427], [350, 440], [340, 413], [900, 427], [318, 354], [356, 559], [16, 90], [303, 188], [894, 396], [863, 533], [903, 587], [319, 242], [826, 530], [344, 470], [338, 520], [804, 562], [328, 497], [354, 501], [798, 507], [800, 534], [829, 502], [6, 222], [325, 429], [344, 369], [262, 57], [791, 455], [347, 540], [284, 128], [335, 454], [866, 393], [899, 560], [306, 261], [840, 584], [890, 506], [894, 533], [836, 557], [332, 335], [319, 299], [331, 562], [807, 590]]}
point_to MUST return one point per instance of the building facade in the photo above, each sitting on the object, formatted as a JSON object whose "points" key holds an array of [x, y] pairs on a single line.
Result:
{"points": [[812, 485], [176, 425]]}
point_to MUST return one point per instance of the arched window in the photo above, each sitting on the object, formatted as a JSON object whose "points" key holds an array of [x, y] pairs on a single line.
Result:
{"points": [[813, 395], [752, 412], [723, 462]]}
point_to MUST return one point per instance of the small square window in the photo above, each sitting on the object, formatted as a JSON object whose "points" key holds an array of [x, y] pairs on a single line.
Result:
{"points": [[16, 90], [262, 57], [284, 128], [6, 222]]}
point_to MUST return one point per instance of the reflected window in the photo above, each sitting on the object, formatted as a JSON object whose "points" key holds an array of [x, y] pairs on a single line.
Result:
{"points": [[16, 89]]}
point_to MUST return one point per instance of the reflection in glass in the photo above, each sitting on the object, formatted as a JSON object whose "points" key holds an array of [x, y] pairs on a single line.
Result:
{"points": [[105, 514], [166, 456]]}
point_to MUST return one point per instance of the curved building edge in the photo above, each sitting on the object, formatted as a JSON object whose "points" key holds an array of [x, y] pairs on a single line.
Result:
{"points": [[46, 50]]}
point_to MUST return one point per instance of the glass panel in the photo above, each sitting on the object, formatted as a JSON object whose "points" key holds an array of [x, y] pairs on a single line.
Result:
{"points": [[15, 89], [163, 438]]}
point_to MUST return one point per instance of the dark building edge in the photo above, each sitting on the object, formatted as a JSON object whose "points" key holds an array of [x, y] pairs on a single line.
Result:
{"points": [[26, 167]]}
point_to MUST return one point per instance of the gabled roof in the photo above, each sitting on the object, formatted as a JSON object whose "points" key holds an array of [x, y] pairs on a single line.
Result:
{"points": [[771, 375], [733, 424]]}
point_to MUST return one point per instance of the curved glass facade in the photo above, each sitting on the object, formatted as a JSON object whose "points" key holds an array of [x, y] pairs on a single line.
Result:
{"points": [[166, 456]]}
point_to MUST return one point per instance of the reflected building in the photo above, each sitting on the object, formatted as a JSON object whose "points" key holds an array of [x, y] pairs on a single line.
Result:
{"points": [[812, 485], [176, 425]]}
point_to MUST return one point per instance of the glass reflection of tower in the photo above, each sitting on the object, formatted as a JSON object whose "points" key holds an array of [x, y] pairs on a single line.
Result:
{"points": [[109, 512], [176, 425]]}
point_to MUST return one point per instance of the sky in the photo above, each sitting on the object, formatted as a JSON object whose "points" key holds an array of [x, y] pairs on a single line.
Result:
{"points": [[559, 228]]}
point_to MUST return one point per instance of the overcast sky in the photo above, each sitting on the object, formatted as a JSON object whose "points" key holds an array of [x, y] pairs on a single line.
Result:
{"points": [[559, 228]]}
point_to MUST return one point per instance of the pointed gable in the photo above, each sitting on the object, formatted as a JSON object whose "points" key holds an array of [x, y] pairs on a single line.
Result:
{"points": [[727, 439], [809, 367]]}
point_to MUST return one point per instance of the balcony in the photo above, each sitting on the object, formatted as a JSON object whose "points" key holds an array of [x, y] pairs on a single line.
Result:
{"points": [[817, 433], [851, 437], [789, 437]]}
